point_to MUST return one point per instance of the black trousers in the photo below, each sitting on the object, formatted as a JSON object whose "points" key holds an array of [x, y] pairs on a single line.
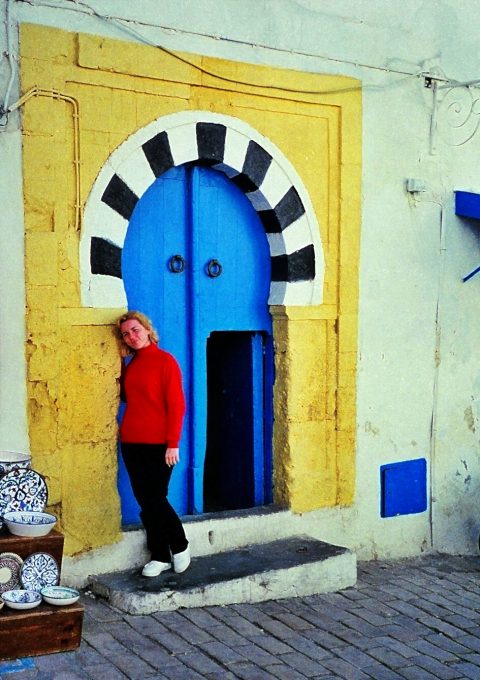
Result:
{"points": [[149, 476]]}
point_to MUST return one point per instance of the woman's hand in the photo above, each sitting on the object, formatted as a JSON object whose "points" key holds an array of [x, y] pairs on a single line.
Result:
{"points": [[172, 456]]}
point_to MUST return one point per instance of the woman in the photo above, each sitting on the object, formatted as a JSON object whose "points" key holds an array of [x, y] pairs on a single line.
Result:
{"points": [[151, 386]]}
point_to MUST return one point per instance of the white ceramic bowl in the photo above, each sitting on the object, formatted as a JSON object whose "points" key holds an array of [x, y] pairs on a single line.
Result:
{"points": [[21, 599], [59, 595], [22, 523], [11, 460]]}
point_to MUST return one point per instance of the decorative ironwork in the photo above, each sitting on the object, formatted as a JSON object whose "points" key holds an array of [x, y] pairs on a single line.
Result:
{"points": [[455, 115]]}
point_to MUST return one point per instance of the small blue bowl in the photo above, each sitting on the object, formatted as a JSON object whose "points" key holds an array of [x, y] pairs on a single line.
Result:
{"points": [[21, 599], [59, 595]]}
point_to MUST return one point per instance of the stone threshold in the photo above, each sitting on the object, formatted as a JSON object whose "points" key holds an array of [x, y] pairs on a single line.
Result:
{"points": [[208, 533], [289, 567]]}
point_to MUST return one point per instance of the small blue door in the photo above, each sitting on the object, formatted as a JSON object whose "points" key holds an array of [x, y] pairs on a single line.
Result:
{"points": [[196, 261]]}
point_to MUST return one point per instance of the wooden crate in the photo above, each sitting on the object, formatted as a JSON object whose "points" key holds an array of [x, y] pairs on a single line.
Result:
{"points": [[44, 630], [52, 544]]}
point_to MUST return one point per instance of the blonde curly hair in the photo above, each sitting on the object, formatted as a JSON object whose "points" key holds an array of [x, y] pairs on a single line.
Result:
{"points": [[125, 350]]}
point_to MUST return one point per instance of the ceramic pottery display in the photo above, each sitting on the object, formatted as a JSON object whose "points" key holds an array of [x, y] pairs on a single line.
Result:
{"points": [[38, 571], [60, 596], [10, 460], [10, 566], [21, 599], [23, 490], [29, 523]]}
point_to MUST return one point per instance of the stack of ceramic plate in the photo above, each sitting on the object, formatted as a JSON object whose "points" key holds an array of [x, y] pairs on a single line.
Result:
{"points": [[22, 580], [22, 490], [10, 566]]}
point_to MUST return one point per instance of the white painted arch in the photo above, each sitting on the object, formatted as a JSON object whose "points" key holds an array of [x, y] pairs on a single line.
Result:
{"points": [[231, 146]]}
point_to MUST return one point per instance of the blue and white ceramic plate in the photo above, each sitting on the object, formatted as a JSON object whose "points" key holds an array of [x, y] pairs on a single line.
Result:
{"points": [[22, 490], [21, 599], [9, 460], [39, 571], [10, 566]]}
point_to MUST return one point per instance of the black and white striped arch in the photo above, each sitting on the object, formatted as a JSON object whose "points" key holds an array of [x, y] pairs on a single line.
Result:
{"points": [[231, 146]]}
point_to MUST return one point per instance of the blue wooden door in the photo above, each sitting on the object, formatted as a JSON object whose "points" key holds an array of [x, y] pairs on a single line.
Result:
{"points": [[196, 261]]}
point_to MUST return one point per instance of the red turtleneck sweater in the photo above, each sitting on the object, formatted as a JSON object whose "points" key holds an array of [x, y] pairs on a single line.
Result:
{"points": [[155, 403]]}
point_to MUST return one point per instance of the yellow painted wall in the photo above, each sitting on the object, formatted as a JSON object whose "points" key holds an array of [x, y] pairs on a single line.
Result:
{"points": [[71, 354]]}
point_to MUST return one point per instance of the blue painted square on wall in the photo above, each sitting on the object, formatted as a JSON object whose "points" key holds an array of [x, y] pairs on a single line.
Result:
{"points": [[403, 488], [467, 204]]}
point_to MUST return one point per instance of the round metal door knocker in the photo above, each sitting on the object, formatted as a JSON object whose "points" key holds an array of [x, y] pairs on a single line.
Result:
{"points": [[214, 269], [176, 264]]}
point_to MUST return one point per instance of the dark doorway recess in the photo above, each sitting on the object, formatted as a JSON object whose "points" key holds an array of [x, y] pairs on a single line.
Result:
{"points": [[239, 420]]}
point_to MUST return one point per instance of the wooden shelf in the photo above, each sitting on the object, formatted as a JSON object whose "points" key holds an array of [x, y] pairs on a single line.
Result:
{"points": [[23, 547], [46, 629], [43, 630]]}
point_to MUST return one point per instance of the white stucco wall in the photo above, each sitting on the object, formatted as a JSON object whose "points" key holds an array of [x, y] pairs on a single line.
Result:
{"points": [[414, 306], [13, 420]]}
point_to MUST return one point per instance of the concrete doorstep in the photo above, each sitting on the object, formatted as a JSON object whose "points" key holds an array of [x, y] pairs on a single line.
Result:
{"points": [[289, 567]]}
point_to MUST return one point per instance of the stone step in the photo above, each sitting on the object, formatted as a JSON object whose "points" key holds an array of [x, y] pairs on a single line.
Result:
{"points": [[208, 534], [289, 567]]}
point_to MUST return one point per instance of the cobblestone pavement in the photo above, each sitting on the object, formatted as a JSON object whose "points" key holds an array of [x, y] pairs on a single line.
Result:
{"points": [[415, 619]]}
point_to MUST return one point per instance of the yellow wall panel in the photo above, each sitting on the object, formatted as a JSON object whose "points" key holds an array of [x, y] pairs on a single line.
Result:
{"points": [[332, 371], [47, 45], [42, 355], [50, 463], [39, 168], [308, 376], [42, 334], [43, 120], [39, 208], [92, 517], [41, 259], [43, 423], [68, 262], [345, 467], [276, 83], [87, 393], [96, 104], [120, 57], [345, 407]]}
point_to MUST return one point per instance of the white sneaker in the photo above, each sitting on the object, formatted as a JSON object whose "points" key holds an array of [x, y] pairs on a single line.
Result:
{"points": [[155, 568], [181, 560]]}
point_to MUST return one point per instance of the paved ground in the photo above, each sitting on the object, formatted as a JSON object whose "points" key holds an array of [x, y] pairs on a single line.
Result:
{"points": [[416, 619]]}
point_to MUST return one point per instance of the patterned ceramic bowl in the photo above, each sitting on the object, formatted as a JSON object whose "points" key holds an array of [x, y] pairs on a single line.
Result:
{"points": [[1, 603], [21, 599], [60, 595], [24, 523], [10, 460]]}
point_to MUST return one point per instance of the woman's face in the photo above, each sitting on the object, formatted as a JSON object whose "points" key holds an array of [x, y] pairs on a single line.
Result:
{"points": [[134, 334]]}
